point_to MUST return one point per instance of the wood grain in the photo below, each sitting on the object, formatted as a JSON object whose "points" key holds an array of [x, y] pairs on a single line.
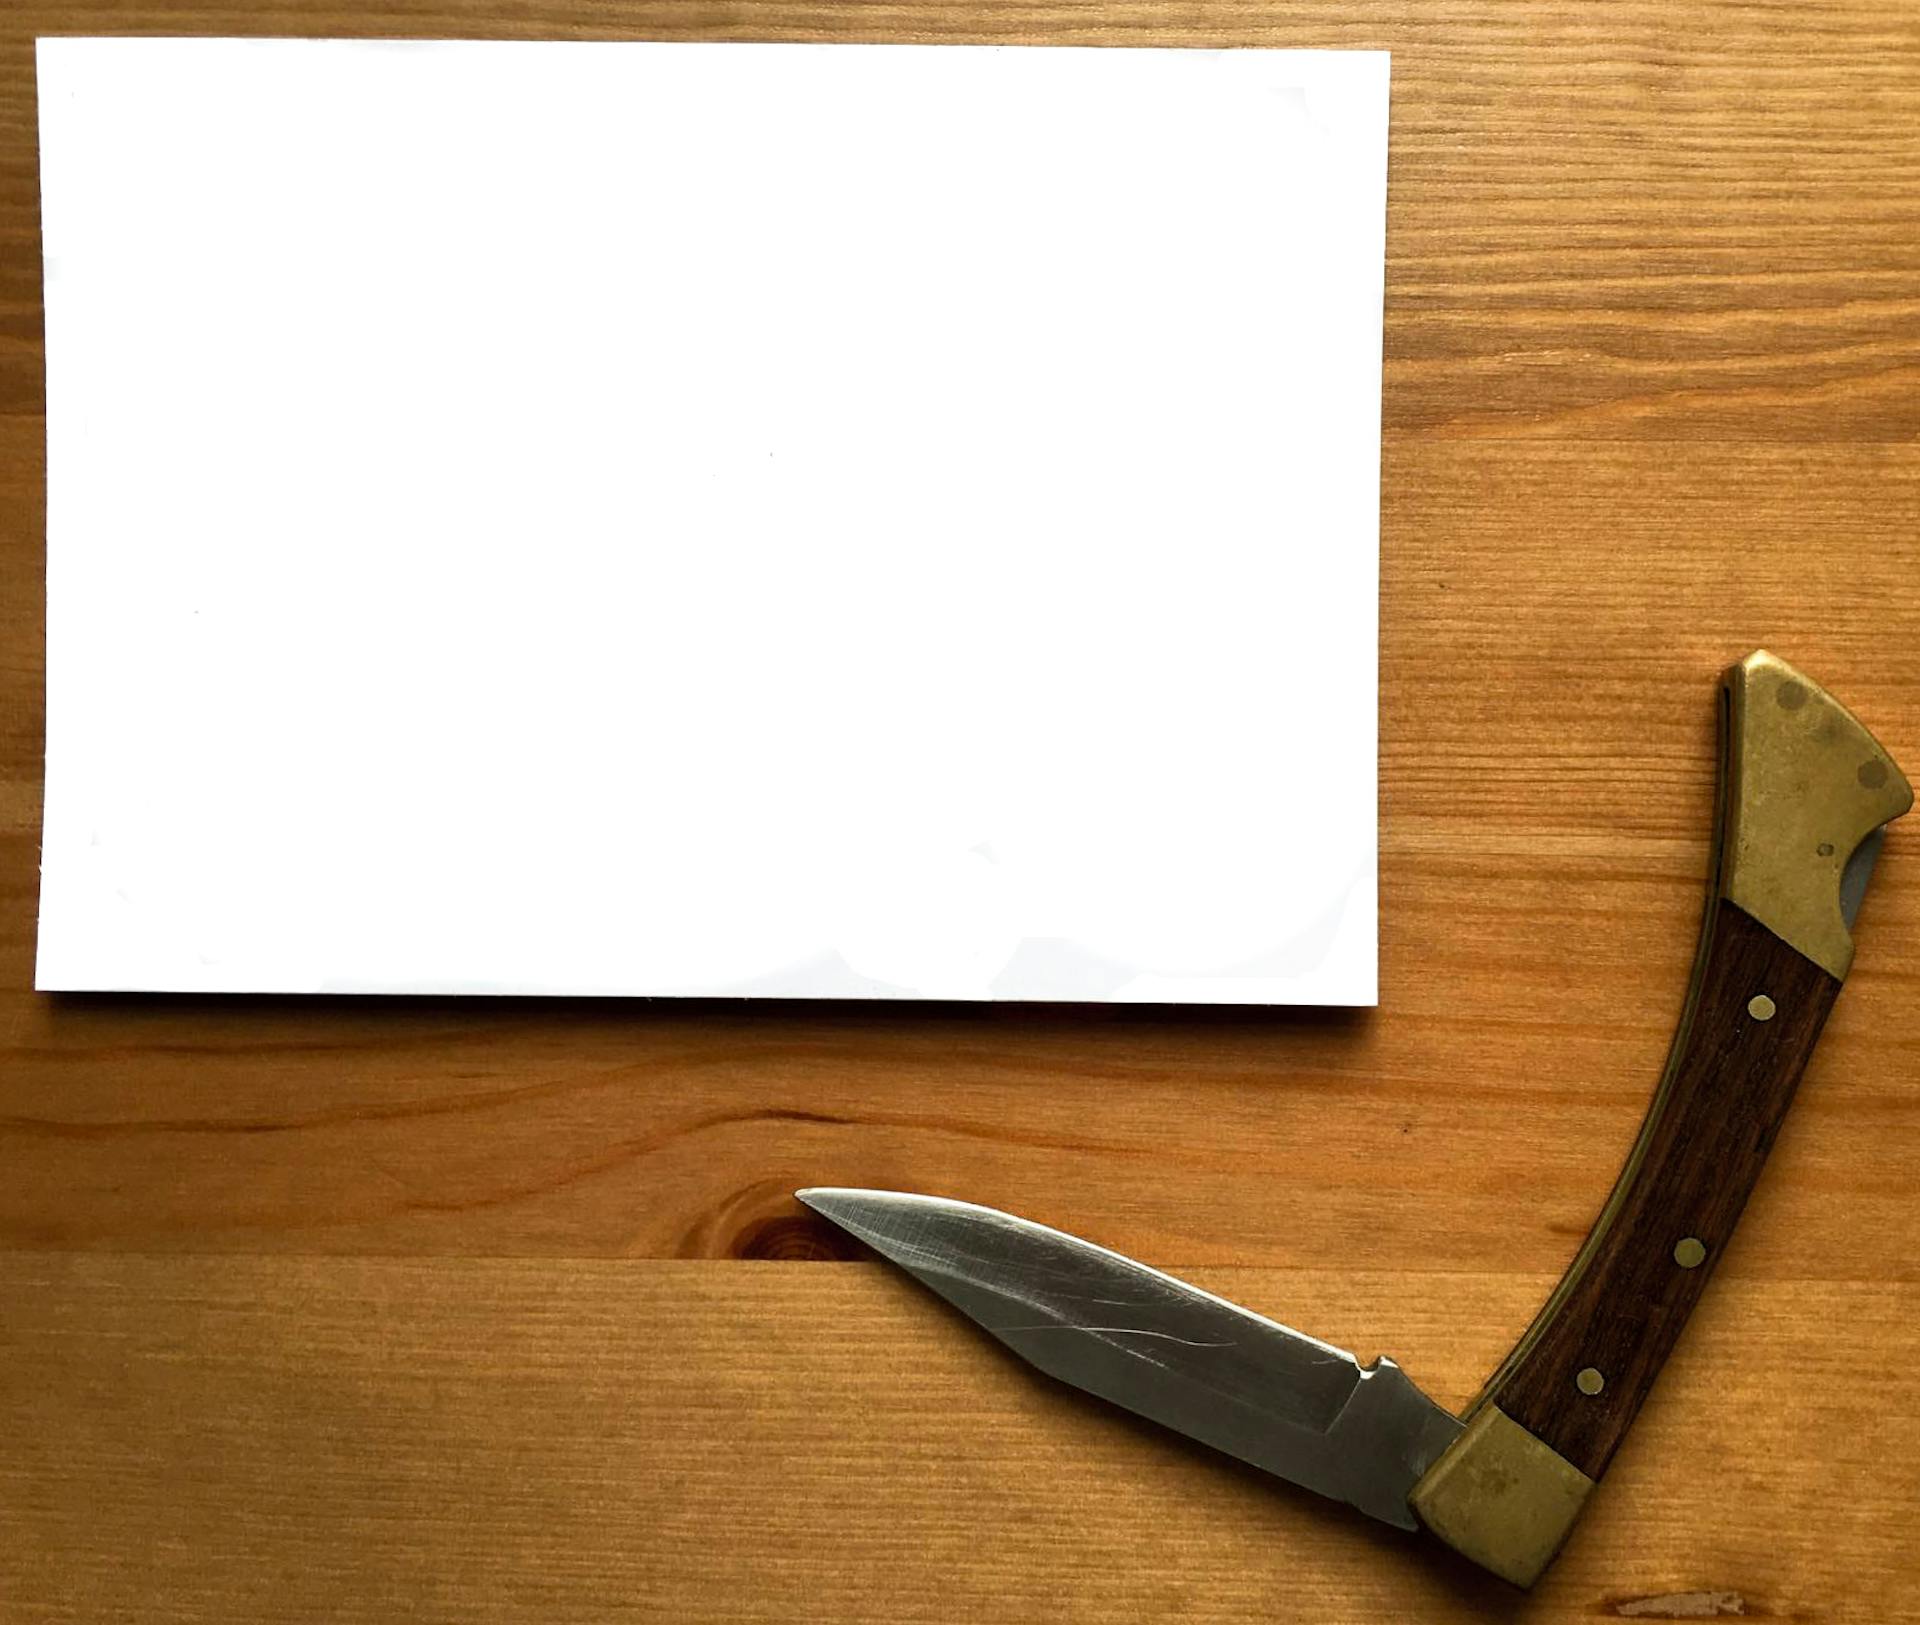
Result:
{"points": [[1652, 399], [358, 1440], [1728, 1085]]}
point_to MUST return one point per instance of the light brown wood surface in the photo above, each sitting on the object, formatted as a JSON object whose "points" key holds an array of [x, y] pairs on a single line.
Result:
{"points": [[367, 1309]]}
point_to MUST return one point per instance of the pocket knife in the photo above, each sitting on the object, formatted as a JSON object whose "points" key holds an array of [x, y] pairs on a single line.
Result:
{"points": [[1804, 795]]}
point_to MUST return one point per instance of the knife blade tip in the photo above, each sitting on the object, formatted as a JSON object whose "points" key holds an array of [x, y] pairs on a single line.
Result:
{"points": [[823, 1199], [852, 1209]]}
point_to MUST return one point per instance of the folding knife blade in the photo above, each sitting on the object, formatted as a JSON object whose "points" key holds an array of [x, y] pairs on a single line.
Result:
{"points": [[1285, 1402]]}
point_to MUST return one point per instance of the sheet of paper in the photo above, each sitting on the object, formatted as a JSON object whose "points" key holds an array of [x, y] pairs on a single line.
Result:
{"points": [[712, 519]]}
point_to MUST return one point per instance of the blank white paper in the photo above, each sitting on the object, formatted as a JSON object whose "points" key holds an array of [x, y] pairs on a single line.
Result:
{"points": [[821, 521]]}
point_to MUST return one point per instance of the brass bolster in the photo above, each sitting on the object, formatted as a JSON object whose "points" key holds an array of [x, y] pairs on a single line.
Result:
{"points": [[1502, 1498], [1805, 785]]}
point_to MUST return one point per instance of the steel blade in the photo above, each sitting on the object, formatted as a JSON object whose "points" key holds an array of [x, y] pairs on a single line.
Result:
{"points": [[1285, 1402]]}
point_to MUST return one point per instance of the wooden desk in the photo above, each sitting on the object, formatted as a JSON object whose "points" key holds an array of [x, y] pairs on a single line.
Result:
{"points": [[355, 1309]]}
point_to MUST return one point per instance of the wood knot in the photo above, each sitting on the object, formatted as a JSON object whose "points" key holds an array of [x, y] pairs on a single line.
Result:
{"points": [[794, 1238]]}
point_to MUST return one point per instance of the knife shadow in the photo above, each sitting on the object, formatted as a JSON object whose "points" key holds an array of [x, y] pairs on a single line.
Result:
{"points": [[1458, 1584]]}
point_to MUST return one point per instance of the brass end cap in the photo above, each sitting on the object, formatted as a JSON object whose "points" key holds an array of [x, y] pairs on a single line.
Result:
{"points": [[1806, 784]]}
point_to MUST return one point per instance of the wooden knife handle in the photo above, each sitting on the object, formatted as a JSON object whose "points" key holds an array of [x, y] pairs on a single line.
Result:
{"points": [[1804, 791], [1579, 1375]]}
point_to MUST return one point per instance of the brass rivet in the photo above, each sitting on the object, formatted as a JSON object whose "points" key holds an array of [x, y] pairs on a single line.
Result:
{"points": [[1760, 1007], [1589, 1381], [1824, 849], [1689, 1252]]}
